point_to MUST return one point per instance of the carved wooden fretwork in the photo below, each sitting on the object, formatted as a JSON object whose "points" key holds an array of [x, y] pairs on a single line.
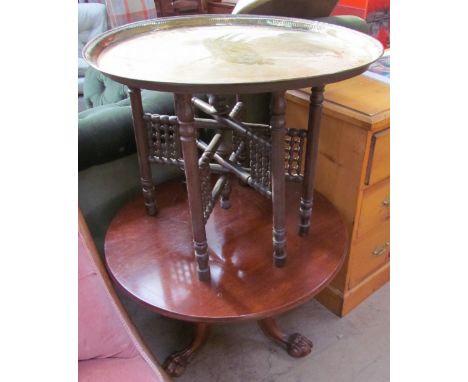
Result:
{"points": [[163, 139], [295, 141], [249, 157]]}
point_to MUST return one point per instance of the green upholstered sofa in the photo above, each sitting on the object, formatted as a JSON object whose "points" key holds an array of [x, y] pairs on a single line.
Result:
{"points": [[108, 166]]}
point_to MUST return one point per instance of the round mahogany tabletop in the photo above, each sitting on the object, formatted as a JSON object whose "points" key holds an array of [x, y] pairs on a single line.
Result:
{"points": [[152, 258]]}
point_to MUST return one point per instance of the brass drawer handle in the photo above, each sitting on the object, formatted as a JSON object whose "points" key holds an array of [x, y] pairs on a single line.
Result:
{"points": [[381, 249], [386, 202]]}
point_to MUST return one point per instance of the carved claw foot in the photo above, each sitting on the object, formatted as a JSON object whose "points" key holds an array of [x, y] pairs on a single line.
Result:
{"points": [[298, 345], [176, 363]]}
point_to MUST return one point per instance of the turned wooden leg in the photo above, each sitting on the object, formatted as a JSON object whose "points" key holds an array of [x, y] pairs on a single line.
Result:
{"points": [[313, 132], [177, 362], [141, 138], [225, 147], [296, 344], [183, 105], [278, 107]]}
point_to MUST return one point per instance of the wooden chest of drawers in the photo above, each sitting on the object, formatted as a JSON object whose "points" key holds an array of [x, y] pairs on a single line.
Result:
{"points": [[353, 172]]}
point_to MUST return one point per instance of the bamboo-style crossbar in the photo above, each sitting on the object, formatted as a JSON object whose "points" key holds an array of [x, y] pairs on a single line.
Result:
{"points": [[227, 120], [252, 152], [254, 142]]}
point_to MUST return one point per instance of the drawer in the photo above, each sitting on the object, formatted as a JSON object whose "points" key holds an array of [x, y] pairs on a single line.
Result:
{"points": [[375, 208], [378, 166], [369, 254]]}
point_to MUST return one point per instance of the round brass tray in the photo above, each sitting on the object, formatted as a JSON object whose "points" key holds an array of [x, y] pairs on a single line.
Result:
{"points": [[230, 53]]}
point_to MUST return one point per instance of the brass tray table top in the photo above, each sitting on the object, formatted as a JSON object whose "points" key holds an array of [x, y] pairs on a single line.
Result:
{"points": [[229, 54]]}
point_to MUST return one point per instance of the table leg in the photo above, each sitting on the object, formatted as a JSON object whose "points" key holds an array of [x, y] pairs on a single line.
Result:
{"points": [[225, 148], [183, 106], [296, 344], [313, 132], [278, 106], [177, 362], [141, 138]]}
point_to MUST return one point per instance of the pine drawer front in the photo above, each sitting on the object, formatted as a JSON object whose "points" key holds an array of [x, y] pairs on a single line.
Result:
{"points": [[375, 208], [378, 166], [369, 254]]}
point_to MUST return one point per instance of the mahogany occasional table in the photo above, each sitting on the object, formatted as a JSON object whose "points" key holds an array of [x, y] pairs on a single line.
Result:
{"points": [[232, 276]]}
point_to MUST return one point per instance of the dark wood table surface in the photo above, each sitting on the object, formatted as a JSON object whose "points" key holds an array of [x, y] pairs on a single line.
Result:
{"points": [[151, 259]]}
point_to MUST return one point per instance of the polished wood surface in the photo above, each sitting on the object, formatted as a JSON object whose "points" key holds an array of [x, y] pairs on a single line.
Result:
{"points": [[360, 101], [353, 151], [151, 257], [375, 208], [371, 253], [379, 165]]}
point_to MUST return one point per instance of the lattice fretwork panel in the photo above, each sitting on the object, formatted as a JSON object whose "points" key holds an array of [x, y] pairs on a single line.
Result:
{"points": [[164, 138], [259, 155], [294, 153]]}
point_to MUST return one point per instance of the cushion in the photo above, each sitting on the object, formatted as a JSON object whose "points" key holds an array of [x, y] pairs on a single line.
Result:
{"points": [[101, 333], [100, 90], [105, 132]]}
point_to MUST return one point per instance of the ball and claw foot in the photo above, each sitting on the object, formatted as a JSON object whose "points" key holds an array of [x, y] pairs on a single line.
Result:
{"points": [[298, 345], [176, 363]]}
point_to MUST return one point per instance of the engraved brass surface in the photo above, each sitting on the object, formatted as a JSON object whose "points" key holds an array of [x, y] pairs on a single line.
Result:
{"points": [[197, 51]]}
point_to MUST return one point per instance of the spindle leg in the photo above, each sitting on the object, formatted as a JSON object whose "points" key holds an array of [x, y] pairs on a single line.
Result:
{"points": [[313, 132], [278, 106], [187, 131], [141, 138]]}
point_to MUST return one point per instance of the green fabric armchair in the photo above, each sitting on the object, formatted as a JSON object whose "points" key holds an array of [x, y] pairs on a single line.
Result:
{"points": [[105, 129], [108, 166]]}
